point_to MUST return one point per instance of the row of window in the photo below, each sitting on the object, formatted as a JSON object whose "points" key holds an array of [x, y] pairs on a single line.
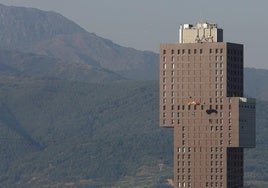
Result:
{"points": [[215, 142], [216, 163], [234, 59], [194, 51], [183, 184], [247, 106], [188, 58], [235, 52], [182, 163], [192, 67], [218, 93], [194, 107], [214, 184], [183, 170], [217, 79]]}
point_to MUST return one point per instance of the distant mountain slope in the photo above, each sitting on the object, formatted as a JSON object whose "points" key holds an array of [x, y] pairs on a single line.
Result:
{"points": [[256, 83], [85, 47], [50, 34], [41, 66], [20, 27]]}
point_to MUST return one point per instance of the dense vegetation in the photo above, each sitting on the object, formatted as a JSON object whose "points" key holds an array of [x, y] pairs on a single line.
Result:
{"points": [[59, 133], [53, 132]]}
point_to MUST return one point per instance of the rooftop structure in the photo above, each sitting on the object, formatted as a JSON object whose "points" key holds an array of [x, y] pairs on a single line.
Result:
{"points": [[202, 32]]}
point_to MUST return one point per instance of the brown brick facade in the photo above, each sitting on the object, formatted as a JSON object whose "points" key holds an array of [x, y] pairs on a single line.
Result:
{"points": [[201, 97]]}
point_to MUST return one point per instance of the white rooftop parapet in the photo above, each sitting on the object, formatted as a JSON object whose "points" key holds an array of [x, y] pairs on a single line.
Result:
{"points": [[202, 32]]}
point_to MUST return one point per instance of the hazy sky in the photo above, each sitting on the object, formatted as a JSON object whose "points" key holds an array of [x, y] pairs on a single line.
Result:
{"points": [[144, 24]]}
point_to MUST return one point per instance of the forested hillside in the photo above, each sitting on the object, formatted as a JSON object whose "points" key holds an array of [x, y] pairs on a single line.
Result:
{"points": [[56, 133], [72, 113]]}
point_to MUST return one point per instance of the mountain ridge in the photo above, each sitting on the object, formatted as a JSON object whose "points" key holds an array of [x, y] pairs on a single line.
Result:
{"points": [[51, 34]]}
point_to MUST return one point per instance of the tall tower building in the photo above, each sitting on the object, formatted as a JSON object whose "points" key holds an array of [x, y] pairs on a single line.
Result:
{"points": [[201, 98]]}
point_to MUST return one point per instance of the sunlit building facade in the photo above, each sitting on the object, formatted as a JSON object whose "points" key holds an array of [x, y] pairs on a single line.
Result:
{"points": [[201, 98]]}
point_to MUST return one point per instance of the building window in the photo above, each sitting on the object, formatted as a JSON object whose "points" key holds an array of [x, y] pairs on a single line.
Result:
{"points": [[201, 51], [172, 51], [164, 51], [164, 59], [164, 66]]}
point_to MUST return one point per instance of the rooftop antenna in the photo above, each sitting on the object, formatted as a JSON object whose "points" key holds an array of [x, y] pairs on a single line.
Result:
{"points": [[200, 16]]}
